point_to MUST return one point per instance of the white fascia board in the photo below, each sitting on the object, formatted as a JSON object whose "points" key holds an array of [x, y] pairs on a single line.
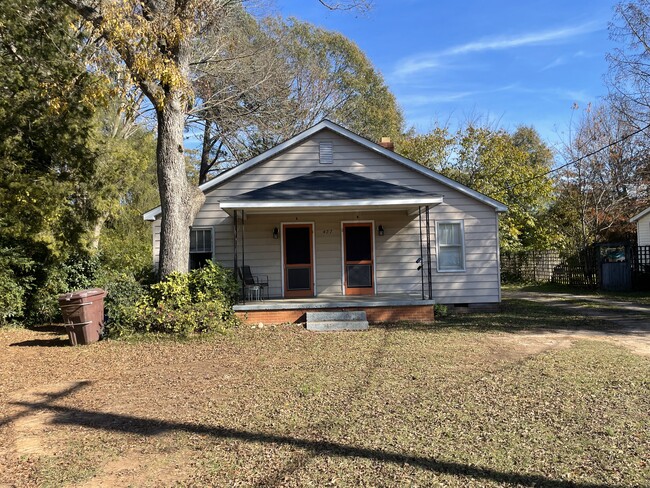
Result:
{"points": [[326, 124], [151, 215], [243, 205], [640, 215]]}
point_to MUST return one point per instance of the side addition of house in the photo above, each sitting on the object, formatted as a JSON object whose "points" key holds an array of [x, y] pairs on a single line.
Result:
{"points": [[329, 217]]}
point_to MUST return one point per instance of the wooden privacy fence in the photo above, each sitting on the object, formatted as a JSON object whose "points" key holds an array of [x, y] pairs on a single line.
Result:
{"points": [[614, 266], [535, 266]]}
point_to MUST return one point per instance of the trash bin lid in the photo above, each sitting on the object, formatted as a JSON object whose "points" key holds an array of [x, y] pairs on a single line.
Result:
{"points": [[81, 294]]}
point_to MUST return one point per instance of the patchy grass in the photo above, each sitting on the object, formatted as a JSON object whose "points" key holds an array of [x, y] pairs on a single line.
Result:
{"points": [[641, 297], [523, 316], [473, 401]]}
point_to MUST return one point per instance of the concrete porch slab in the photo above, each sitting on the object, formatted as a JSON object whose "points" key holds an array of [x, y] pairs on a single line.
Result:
{"points": [[316, 303]]}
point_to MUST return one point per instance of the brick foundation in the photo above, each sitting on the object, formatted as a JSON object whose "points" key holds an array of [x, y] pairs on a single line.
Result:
{"points": [[376, 315]]}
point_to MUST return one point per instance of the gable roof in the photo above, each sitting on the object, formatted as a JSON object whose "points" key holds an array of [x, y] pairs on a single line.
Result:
{"points": [[327, 124], [323, 185], [329, 189], [640, 215]]}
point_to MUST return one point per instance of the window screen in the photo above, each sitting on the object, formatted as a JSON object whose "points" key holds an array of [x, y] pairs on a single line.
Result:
{"points": [[450, 246], [358, 244], [297, 245]]}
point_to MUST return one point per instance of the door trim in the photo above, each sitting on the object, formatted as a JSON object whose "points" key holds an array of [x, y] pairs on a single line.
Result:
{"points": [[374, 254], [313, 255]]}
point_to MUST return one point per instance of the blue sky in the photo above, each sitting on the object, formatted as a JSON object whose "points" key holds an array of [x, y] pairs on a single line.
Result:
{"points": [[515, 62]]}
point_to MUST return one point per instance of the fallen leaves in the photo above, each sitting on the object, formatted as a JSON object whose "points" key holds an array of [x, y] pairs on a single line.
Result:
{"points": [[281, 406]]}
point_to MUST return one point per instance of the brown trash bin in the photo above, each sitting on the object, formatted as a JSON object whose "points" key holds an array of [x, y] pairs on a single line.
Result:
{"points": [[83, 315]]}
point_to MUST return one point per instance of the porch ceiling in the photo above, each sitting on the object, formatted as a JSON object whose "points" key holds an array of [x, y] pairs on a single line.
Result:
{"points": [[330, 191]]}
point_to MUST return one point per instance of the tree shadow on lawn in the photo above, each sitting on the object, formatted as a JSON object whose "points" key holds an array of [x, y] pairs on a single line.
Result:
{"points": [[152, 427], [515, 316], [48, 341], [53, 342]]}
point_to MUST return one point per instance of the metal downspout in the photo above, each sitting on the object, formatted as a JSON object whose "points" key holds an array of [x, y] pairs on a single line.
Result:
{"points": [[429, 255], [421, 256]]}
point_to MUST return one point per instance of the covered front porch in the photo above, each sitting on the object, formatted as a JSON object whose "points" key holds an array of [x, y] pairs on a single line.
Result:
{"points": [[331, 240]]}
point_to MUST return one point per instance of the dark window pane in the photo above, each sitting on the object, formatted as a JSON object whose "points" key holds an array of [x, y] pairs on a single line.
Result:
{"points": [[199, 259], [297, 245], [200, 240], [358, 244], [359, 275], [298, 279]]}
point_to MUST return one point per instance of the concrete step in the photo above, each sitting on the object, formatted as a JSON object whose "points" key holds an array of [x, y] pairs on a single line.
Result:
{"points": [[329, 321], [339, 325], [335, 316]]}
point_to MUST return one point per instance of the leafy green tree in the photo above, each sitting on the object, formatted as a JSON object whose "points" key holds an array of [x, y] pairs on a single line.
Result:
{"points": [[47, 103], [124, 187], [506, 167], [46, 108]]}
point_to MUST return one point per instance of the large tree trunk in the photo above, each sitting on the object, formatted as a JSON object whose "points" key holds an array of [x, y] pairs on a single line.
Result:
{"points": [[205, 153], [97, 231], [180, 201]]}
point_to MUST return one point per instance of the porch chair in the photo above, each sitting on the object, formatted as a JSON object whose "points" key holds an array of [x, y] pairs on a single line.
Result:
{"points": [[250, 280]]}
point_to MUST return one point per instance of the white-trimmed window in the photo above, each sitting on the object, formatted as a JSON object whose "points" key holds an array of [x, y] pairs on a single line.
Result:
{"points": [[200, 247], [450, 245]]}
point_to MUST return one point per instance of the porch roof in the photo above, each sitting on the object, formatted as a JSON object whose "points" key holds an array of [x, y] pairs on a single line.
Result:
{"points": [[335, 190]]}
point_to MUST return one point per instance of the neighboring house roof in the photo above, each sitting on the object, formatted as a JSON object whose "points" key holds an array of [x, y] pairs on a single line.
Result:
{"points": [[327, 124], [640, 215], [330, 189]]}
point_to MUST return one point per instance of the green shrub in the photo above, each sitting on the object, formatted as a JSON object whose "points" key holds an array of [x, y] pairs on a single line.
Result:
{"points": [[213, 283], [181, 304], [77, 272], [81, 270], [15, 284], [44, 301], [440, 311], [123, 293]]}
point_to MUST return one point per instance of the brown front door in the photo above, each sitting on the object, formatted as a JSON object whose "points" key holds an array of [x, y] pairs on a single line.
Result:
{"points": [[298, 260], [358, 259]]}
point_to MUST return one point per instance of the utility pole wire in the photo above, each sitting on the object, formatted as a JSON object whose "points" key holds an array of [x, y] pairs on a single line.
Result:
{"points": [[593, 153]]}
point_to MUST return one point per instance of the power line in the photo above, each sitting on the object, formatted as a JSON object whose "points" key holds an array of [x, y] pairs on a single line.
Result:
{"points": [[585, 156]]}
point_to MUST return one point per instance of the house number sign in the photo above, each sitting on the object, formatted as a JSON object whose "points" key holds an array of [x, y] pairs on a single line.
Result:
{"points": [[327, 232]]}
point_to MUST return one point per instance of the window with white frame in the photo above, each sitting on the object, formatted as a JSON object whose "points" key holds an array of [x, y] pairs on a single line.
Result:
{"points": [[450, 244], [200, 247]]}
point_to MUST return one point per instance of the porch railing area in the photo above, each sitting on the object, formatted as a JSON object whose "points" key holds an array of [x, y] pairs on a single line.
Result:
{"points": [[358, 273]]}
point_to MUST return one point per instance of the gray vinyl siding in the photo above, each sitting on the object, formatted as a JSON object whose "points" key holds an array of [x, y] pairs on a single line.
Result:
{"points": [[396, 251], [643, 231]]}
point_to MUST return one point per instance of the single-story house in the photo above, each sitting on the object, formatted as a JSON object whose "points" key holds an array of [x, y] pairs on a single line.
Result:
{"points": [[642, 220], [332, 220]]}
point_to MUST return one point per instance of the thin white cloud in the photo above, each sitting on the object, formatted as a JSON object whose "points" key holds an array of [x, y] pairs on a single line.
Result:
{"points": [[580, 96], [555, 63], [427, 61], [440, 97], [449, 96]]}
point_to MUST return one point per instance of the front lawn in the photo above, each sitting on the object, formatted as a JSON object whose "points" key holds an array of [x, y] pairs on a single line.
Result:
{"points": [[475, 401]]}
